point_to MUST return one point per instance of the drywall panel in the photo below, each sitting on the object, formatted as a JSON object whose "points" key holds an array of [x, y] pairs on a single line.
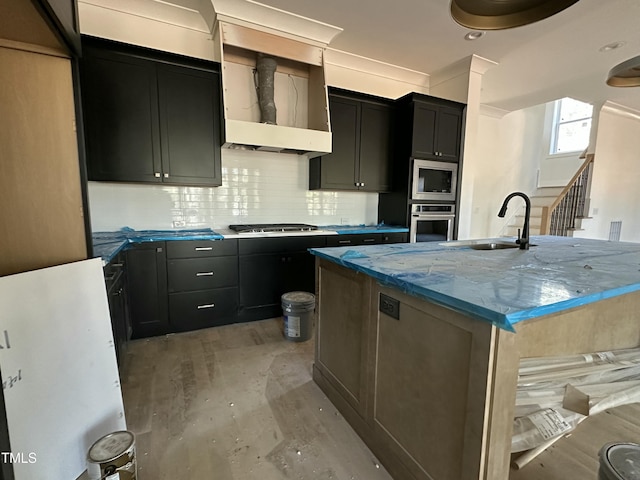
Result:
{"points": [[614, 189], [59, 371], [506, 160]]}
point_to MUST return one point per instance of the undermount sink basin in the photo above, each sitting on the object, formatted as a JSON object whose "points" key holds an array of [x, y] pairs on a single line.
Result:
{"points": [[493, 246], [483, 244]]}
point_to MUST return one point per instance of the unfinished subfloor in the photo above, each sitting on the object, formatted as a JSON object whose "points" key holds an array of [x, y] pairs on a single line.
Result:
{"points": [[238, 403]]}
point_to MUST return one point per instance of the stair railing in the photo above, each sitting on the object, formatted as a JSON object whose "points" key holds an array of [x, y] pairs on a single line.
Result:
{"points": [[561, 215]]}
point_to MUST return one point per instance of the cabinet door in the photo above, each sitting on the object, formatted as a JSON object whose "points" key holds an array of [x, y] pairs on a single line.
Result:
{"points": [[120, 108], [115, 296], [261, 285], [424, 128], [338, 169], [189, 102], [374, 158], [147, 286], [343, 344], [448, 134]]}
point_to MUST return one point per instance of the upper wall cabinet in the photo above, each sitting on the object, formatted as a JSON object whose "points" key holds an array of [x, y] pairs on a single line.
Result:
{"points": [[150, 117], [361, 145], [435, 126]]}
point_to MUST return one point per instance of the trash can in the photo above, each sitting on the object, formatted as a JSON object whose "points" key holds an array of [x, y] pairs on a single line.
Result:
{"points": [[619, 461], [297, 310]]}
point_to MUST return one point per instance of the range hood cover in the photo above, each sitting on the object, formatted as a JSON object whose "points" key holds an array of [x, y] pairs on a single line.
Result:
{"points": [[302, 63]]}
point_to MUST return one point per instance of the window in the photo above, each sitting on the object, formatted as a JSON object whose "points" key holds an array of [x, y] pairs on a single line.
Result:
{"points": [[571, 126]]}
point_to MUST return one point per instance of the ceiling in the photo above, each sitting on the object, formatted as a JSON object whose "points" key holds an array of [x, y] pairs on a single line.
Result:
{"points": [[537, 63]]}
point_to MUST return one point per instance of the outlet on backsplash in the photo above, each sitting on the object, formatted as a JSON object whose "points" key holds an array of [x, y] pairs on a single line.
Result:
{"points": [[344, 221], [179, 224]]}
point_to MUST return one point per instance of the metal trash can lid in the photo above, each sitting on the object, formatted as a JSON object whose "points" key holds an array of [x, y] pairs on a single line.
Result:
{"points": [[111, 446], [620, 461], [301, 298]]}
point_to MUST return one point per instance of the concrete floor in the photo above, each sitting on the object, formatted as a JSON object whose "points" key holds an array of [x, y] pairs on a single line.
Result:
{"points": [[236, 403]]}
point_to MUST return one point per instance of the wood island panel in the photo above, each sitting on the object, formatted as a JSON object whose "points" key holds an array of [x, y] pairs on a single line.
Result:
{"points": [[437, 388]]}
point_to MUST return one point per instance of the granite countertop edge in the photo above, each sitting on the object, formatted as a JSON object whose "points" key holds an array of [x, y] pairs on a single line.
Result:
{"points": [[108, 244], [490, 309]]}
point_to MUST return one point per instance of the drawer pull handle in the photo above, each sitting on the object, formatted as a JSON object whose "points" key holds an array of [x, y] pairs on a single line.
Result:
{"points": [[203, 249], [369, 239], [117, 264], [207, 305], [204, 274], [344, 241]]}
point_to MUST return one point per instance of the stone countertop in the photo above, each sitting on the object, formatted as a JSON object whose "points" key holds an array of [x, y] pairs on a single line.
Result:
{"points": [[108, 244], [505, 286]]}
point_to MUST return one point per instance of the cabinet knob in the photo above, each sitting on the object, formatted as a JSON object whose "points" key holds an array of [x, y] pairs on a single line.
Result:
{"points": [[362, 184], [166, 175], [157, 174]]}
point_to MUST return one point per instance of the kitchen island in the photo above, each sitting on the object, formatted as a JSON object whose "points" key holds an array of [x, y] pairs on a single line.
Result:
{"points": [[418, 345]]}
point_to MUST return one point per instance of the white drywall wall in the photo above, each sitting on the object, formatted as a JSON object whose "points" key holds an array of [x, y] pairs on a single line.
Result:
{"points": [[615, 195]]}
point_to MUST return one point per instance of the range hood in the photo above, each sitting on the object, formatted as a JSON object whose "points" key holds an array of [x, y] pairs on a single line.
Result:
{"points": [[302, 123]]}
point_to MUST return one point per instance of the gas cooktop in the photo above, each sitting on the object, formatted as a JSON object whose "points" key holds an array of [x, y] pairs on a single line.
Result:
{"points": [[272, 227]]}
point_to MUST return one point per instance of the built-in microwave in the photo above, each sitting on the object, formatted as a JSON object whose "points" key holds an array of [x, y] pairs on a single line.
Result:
{"points": [[434, 180]]}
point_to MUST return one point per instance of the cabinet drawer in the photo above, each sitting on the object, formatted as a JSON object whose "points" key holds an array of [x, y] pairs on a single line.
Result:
{"points": [[252, 246], [201, 248], [188, 274], [397, 237], [355, 239], [208, 308]]}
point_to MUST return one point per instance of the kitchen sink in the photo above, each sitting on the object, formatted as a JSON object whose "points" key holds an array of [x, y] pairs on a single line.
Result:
{"points": [[483, 244], [493, 246]]}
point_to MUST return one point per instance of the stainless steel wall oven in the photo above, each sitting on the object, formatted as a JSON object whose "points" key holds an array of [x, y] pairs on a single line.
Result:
{"points": [[431, 222]]}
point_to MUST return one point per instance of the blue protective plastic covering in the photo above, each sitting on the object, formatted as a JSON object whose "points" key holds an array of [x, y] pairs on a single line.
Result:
{"points": [[380, 228], [108, 244], [503, 287]]}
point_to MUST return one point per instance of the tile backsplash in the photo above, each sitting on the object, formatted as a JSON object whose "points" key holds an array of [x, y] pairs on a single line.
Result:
{"points": [[257, 187]]}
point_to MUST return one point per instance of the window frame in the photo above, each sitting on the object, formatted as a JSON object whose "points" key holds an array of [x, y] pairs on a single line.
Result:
{"points": [[555, 128]]}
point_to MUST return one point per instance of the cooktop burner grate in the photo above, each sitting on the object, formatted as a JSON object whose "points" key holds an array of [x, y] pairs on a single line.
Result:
{"points": [[272, 227]]}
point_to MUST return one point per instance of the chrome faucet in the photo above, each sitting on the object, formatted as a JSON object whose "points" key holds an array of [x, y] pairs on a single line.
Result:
{"points": [[523, 240]]}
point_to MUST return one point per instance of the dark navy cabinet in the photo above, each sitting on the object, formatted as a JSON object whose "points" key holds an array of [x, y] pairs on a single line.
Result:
{"points": [[150, 117]]}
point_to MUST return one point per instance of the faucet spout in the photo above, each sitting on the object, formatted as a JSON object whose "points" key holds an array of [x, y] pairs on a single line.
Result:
{"points": [[523, 240]]}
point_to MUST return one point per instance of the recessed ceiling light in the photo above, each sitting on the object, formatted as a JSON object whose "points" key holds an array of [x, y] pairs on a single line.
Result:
{"points": [[612, 46], [474, 35]]}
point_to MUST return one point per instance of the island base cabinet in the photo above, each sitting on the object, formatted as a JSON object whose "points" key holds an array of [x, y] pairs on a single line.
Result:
{"points": [[432, 390], [343, 340], [430, 387], [412, 381]]}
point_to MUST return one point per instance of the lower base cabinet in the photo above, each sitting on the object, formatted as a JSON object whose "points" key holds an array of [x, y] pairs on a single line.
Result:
{"points": [[116, 284], [147, 275], [177, 286], [270, 267]]}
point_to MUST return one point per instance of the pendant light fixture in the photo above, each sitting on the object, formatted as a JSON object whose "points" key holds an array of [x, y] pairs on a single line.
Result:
{"points": [[625, 74], [501, 14]]}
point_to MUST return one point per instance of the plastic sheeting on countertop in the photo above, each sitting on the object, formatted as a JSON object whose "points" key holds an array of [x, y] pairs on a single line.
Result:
{"points": [[108, 244], [505, 286], [380, 228]]}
